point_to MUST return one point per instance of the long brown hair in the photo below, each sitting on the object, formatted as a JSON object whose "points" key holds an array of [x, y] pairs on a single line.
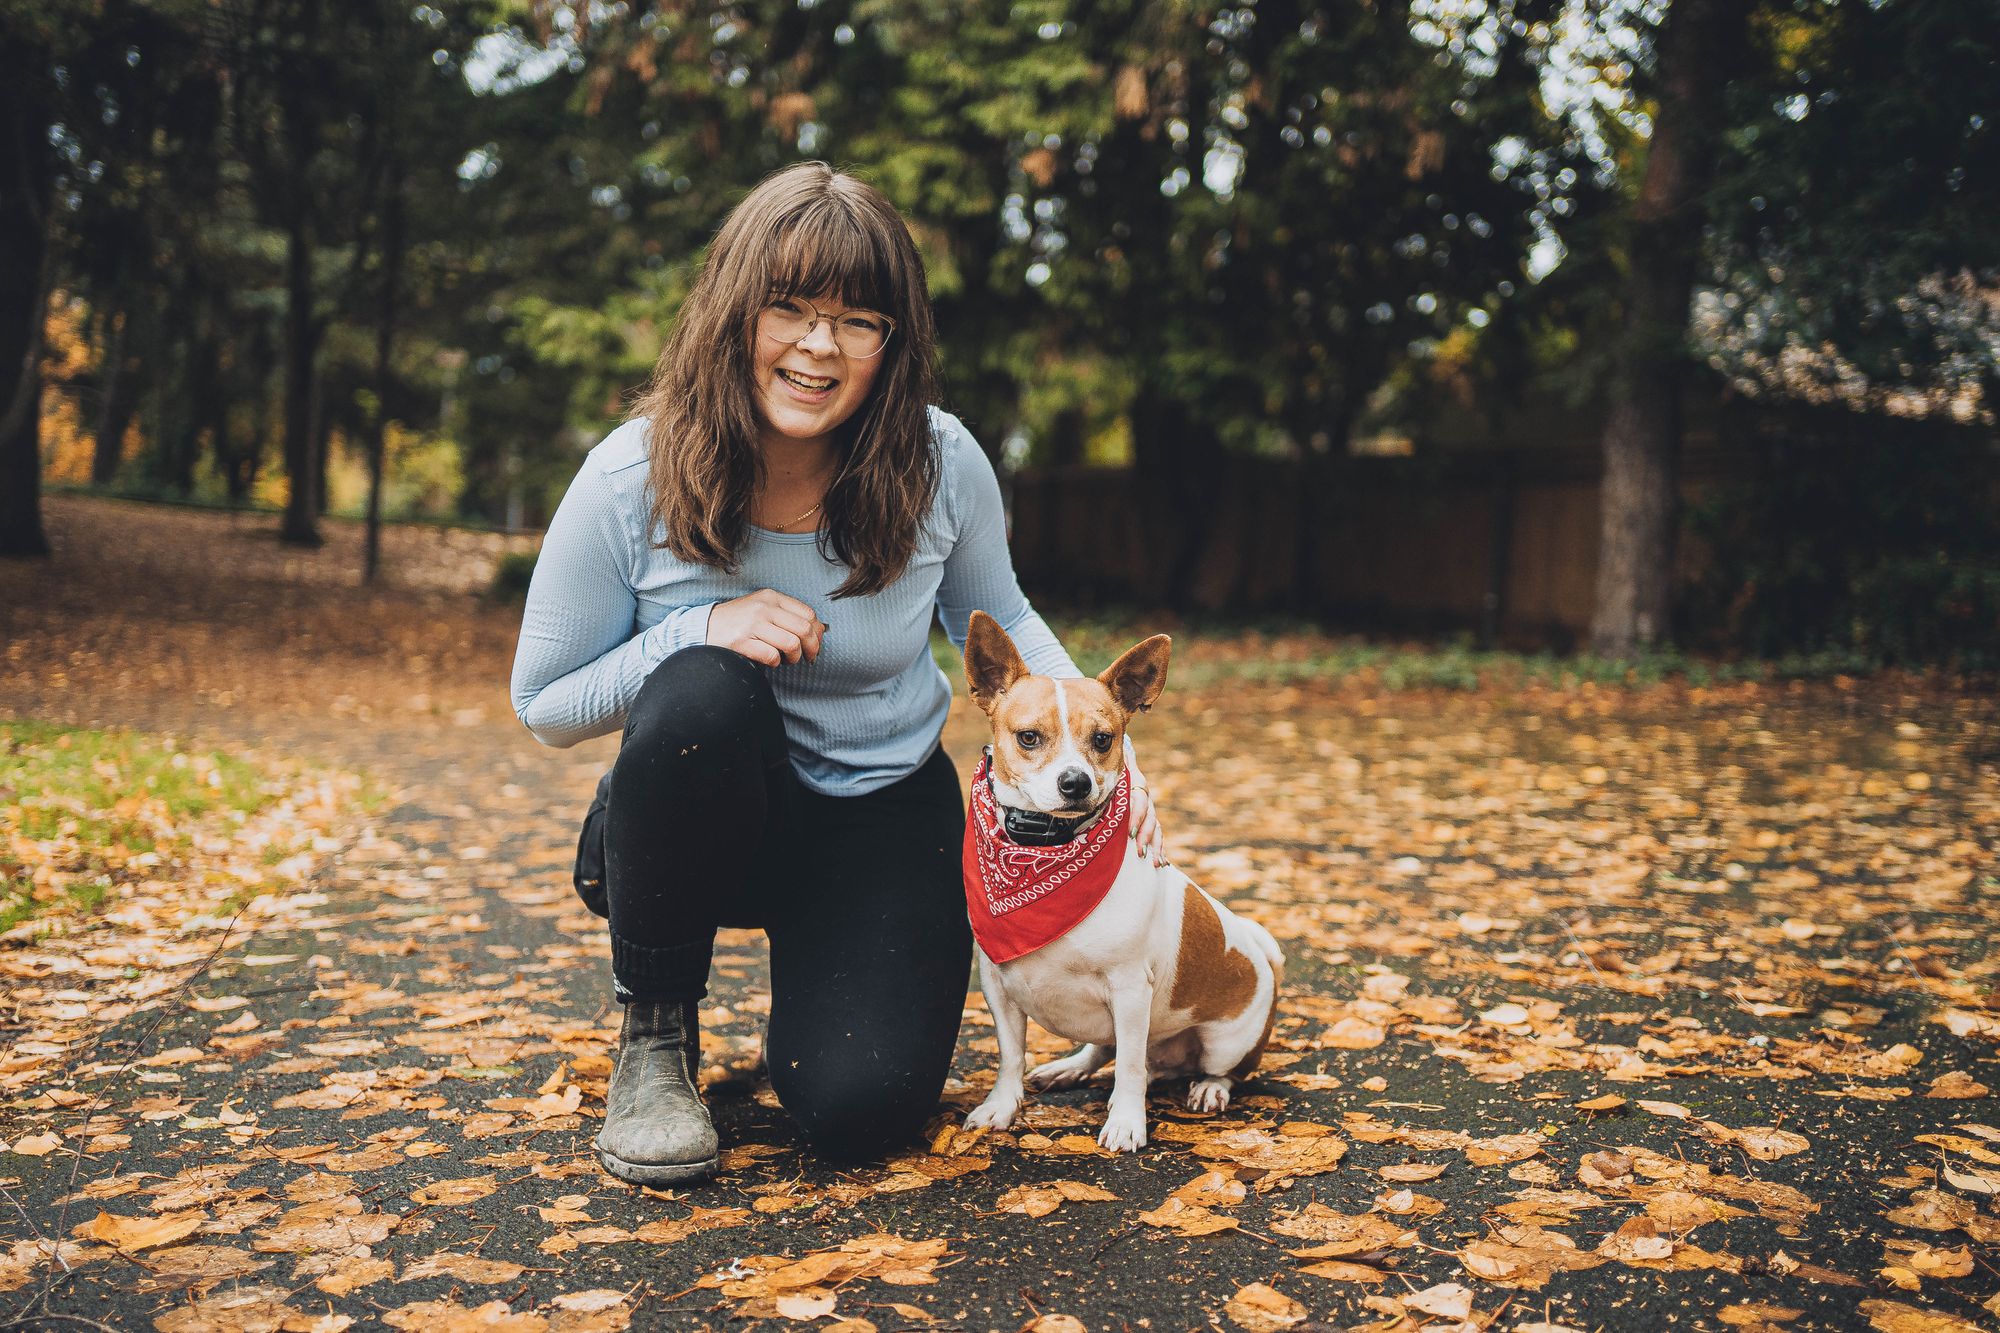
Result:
{"points": [[803, 231]]}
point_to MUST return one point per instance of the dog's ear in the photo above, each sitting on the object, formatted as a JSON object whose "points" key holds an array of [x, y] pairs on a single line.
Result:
{"points": [[1136, 679], [992, 662]]}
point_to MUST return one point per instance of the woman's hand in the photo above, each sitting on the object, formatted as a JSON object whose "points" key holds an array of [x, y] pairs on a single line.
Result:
{"points": [[1145, 818], [767, 627]]}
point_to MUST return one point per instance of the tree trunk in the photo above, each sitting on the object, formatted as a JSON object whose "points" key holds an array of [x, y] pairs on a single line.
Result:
{"points": [[322, 441], [385, 333], [301, 521], [1699, 47], [253, 364], [24, 220], [114, 410]]}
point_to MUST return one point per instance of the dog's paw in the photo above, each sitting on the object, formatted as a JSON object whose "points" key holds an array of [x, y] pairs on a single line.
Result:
{"points": [[1208, 1095], [1123, 1133], [1064, 1073], [994, 1113]]}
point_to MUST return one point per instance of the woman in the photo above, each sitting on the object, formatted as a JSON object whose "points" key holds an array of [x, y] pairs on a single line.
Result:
{"points": [[744, 575]]}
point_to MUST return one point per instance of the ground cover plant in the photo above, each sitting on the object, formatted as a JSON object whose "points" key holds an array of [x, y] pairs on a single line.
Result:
{"points": [[1610, 1006]]}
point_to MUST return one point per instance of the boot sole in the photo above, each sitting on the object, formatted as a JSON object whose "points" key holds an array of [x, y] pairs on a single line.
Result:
{"points": [[657, 1173]]}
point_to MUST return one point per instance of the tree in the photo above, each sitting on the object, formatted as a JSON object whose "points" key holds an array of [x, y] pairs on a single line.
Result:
{"points": [[1855, 250], [29, 103], [1699, 50]]}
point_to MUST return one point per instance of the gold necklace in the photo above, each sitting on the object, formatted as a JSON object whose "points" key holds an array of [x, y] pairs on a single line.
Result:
{"points": [[802, 517]]}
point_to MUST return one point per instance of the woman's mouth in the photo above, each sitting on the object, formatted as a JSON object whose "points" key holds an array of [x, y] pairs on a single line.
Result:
{"points": [[809, 386]]}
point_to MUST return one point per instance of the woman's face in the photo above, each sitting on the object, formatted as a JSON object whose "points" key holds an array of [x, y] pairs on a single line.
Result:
{"points": [[794, 397]]}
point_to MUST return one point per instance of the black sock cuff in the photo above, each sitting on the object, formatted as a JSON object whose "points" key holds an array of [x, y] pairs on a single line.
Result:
{"points": [[661, 972]]}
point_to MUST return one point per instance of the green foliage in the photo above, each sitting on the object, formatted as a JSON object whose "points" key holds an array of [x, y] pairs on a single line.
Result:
{"points": [[67, 782], [104, 794], [1853, 216], [1154, 230], [510, 580], [1881, 547]]}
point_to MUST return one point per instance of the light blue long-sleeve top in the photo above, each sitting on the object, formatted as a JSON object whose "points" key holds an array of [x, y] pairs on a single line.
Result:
{"points": [[607, 604]]}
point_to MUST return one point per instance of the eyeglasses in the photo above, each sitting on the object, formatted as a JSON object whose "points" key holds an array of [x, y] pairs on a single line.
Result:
{"points": [[859, 333]]}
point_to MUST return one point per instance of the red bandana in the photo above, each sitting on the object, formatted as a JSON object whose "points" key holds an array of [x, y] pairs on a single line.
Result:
{"points": [[1020, 898]]}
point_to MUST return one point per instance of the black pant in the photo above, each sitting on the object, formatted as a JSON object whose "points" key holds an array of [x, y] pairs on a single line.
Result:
{"points": [[706, 825]]}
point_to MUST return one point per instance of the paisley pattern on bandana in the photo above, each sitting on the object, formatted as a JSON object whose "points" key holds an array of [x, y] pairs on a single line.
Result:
{"points": [[1021, 898]]}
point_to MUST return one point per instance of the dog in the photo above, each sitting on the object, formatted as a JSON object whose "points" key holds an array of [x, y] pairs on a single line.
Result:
{"points": [[1075, 926]]}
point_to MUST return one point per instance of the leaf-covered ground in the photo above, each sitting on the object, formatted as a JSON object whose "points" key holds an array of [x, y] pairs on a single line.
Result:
{"points": [[1606, 1008]]}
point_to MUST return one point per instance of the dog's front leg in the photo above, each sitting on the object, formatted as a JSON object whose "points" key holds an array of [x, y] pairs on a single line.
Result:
{"points": [[1131, 1019], [1010, 1028]]}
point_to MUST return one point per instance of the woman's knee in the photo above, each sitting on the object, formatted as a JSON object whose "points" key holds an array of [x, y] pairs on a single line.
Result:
{"points": [[704, 694], [854, 1118]]}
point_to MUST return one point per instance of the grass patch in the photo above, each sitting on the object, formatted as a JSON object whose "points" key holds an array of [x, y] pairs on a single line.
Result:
{"points": [[78, 806]]}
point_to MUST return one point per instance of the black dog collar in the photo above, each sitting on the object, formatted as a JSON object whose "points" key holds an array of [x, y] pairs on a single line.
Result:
{"points": [[1039, 828]]}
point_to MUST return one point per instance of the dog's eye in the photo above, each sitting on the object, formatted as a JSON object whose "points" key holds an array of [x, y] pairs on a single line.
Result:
{"points": [[1102, 741], [1028, 740]]}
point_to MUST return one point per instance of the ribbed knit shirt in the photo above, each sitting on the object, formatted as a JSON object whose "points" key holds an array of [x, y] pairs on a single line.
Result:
{"points": [[608, 603]]}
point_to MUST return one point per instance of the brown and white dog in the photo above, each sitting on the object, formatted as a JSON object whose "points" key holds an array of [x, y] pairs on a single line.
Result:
{"points": [[1158, 979]]}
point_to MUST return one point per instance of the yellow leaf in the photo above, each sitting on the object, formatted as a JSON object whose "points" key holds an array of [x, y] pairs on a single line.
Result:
{"points": [[454, 1191], [1261, 1309], [1186, 1218], [806, 1305], [132, 1234], [1896, 1317], [465, 1268], [1447, 1300], [1212, 1189]]}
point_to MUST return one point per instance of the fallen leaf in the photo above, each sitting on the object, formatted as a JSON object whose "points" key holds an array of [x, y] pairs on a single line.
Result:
{"points": [[1756, 1314], [1933, 1210], [1188, 1219], [447, 1192], [1896, 1317], [1258, 1308], [804, 1306], [133, 1234], [1956, 1084], [1763, 1142], [463, 1267], [1447, 1300], [1963, 1023], [1213, 1189]]}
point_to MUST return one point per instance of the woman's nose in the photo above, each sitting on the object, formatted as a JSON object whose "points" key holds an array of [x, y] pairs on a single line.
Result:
{"points": [[819, 338]]}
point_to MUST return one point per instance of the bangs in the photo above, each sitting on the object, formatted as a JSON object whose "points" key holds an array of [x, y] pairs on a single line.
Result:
{"points": [[844, 256]]}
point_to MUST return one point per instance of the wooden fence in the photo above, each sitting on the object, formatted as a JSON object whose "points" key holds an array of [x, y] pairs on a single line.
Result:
{"points": [[1498, 541]]}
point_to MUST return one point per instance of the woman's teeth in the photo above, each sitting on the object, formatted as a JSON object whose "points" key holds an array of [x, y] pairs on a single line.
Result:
{"points": [[810, 383]]}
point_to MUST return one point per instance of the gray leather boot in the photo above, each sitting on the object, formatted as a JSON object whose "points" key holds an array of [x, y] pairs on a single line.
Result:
{"points": [[656, 1130]]}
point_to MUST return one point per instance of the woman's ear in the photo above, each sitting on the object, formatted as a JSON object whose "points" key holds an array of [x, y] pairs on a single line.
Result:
{"points": [[992, 662]]}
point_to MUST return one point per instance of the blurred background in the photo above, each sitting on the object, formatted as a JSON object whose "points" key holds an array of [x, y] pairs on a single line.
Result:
{"points": [[1544, 324]]}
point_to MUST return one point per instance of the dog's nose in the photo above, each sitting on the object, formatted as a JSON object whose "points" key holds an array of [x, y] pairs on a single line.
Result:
{"points": [[1074, 784]]}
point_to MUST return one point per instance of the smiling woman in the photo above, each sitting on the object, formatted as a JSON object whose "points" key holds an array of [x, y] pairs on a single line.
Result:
{"points": [[737, 443], [744, 576]]}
